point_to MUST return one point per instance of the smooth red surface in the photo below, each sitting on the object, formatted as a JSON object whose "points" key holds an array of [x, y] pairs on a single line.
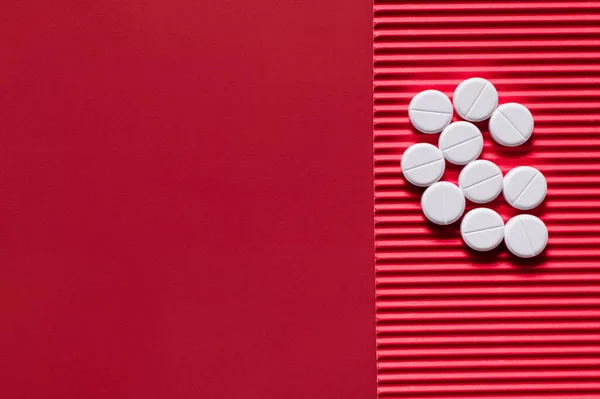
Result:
{"points": [[186, 199]]}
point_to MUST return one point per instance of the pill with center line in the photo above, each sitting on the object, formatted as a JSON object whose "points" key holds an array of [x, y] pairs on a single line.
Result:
{"points": [[524, 187], [443, 203], [511, 124], [422, 164], [480, 181], [525, 236], [461, 142], [482, 229], [475, 99], [430, 111]]}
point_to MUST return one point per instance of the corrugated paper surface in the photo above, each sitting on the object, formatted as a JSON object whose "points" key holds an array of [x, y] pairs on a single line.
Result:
{"points": [[452, 323]]}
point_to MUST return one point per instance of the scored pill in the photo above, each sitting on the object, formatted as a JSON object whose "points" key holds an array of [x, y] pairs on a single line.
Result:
{"points": [[482, 229], [511, 124], [422, 164], [481, 181], [443, 203], [525, 236], [475, 99], [461, 142], [524, 187], [430, 111]]}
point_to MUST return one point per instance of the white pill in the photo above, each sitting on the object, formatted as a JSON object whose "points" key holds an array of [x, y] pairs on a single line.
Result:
{"points": [[443, 203], [422, 164], [511, 124], [525, 236], [480, 181], [475, 99], [461, 142], [524, 187], [430, 111], [482, 229]]}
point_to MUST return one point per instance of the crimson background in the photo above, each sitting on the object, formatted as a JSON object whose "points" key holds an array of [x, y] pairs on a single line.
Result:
{"points": [[186, 199]]}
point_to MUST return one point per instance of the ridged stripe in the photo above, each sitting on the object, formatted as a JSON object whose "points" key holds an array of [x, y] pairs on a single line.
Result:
{"points": [[457, 324]]}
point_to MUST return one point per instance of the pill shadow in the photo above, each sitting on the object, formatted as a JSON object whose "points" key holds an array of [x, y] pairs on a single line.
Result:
{"points": [[415, 191], [488, 258], [421, 137], [439, 232], [527, 265], [513, 153], [538, 211], [511, 212], [483, 126], [451, 173]]}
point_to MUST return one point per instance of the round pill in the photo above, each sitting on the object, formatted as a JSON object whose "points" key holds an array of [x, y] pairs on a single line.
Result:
{"points": [[443, 203], [461, 142], [525, 236], [524, 187], [480, 181], [475, 99], [482, 229], [511, 124], [422, 164], [430, 111]]}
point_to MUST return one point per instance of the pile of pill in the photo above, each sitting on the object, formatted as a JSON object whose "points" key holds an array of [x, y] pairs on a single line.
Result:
{"points": [[480, 181]]}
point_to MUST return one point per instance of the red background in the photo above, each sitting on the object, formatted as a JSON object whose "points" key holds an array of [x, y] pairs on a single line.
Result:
{"points": [[186, 199], [451, 322]]}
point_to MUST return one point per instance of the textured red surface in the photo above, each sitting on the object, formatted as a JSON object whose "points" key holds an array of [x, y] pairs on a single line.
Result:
{"points": [[186, 199], [452, 323]]}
